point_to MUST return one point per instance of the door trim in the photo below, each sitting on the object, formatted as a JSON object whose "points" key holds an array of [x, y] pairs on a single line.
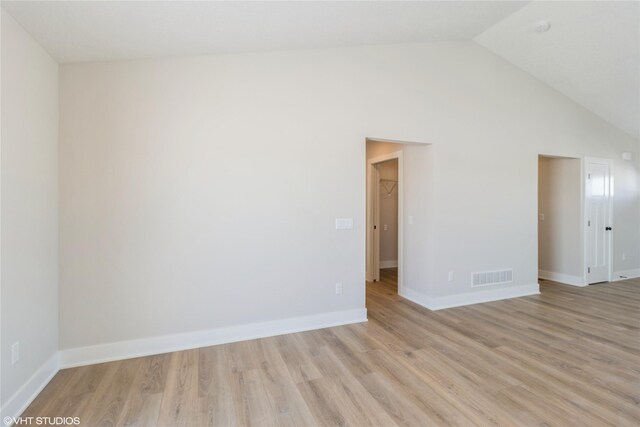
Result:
{"points": [[609, 249], [370, 206]]}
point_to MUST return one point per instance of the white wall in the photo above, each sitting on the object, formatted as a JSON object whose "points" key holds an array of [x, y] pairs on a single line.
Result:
{"points": [[388, 214], [201, 192], [560, 254], [29, 214]]}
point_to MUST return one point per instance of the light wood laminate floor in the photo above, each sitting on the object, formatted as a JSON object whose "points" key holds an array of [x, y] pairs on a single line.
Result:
{"points": [[568, 357]]}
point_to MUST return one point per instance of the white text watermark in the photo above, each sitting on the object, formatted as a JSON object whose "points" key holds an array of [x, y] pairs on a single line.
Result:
{"points": [[42, 421]]}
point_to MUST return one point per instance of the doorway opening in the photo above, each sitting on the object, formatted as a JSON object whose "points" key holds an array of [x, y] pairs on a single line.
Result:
{"points": [[399, 194], [559, 220], [384, 216]]}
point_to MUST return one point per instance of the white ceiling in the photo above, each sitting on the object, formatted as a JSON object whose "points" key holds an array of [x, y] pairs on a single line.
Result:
{"points": [[105, 30], [591, 53]]}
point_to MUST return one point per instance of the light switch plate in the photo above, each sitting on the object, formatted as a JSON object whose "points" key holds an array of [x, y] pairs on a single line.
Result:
{"points": [[344, 223]]}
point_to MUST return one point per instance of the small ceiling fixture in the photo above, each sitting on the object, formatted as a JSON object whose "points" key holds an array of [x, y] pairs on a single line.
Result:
{"points": [[542, 26]]}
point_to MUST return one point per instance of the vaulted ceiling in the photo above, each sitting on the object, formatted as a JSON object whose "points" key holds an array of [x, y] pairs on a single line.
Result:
{"points": [[104, 30], [591, 53]]}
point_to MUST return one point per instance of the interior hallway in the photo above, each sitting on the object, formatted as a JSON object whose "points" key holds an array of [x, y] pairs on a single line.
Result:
{"points": [[570, 356]]}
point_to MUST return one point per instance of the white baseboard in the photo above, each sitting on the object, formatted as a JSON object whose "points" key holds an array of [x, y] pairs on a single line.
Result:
{"points": [[457, 300], [626, 274], [189, 340], [565, 279], [28, 392], [390, 263]]}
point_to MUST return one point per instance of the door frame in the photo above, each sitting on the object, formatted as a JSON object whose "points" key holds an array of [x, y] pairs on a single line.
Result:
{"points": [[373, 205], [609, 249]]}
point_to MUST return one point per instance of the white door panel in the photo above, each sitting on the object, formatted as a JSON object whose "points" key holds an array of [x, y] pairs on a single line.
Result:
{"points": [[376, 222], [598, 209]]}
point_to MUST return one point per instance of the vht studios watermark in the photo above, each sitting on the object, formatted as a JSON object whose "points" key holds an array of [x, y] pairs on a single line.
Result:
{"points": [[42, 421]]}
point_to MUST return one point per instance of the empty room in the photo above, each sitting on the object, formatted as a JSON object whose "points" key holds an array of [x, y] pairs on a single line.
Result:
{"points": [[317, 213]]}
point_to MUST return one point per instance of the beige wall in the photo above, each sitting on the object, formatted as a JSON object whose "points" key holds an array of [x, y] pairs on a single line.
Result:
{"points": [[202, 192], [29, 213], [560, 247], [388, 214]]}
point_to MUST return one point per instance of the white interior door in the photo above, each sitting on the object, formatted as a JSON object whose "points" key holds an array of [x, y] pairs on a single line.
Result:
{"points": [[376, 220], [598, 225]]}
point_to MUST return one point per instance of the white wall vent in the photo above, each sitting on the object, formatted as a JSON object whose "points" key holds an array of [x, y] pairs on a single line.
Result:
{"points": [[487, 278]]}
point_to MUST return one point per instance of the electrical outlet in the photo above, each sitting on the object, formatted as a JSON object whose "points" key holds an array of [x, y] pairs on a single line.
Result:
{"points": [[339, 288], [15, 352], [450, 276], [410, 219], [624, 256]]}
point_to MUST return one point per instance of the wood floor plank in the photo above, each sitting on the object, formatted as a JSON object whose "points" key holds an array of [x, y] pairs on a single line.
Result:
{"points": [[297, 358], [358, 405], [250, 399], [179, 401], [142, 407], [110, 396], [286, 401], [215, 401]]}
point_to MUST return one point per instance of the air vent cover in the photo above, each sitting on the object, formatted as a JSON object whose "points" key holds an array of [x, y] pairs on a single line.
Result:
{"points": [[487, 278]]}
